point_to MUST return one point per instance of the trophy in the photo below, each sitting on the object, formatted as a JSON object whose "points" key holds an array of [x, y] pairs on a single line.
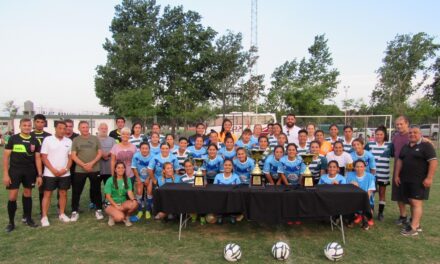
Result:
{"points": [[256, 174], [307, 179], [199, 179]]}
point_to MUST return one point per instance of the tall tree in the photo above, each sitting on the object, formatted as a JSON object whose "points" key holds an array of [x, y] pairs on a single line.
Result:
{"points": [[304, 86], [405, 57], [171, 55], [433, 90]]}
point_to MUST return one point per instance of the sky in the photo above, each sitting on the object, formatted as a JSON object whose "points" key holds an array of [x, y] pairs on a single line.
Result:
{"points": [[49, 50]]}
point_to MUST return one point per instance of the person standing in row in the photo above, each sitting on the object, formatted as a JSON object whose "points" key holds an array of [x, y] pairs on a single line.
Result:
{"points": [[291, 130], [107, 144], [200, 131], [40, 123], [415, 170], [116, 134], [56, 158], [21, 165], [86, 152]]}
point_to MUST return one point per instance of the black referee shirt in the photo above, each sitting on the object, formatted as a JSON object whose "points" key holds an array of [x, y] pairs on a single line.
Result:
{"points": [[23, 151], [415, 161]]}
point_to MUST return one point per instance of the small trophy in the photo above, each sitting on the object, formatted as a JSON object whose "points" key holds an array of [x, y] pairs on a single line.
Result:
{"points": [[256, 174], [307, 179], [199, 179]]}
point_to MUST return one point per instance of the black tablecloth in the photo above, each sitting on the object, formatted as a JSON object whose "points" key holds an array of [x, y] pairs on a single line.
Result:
{"points": [[274, 204]]}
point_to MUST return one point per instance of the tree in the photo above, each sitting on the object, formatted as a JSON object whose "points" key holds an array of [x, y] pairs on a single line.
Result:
{"points": [[141, 98], [303, 87], [11, 108], [405, 57], [433, 90], [172, 55]]}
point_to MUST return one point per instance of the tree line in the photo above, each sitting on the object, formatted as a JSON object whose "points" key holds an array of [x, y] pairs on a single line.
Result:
{"points": [[164, 62]]}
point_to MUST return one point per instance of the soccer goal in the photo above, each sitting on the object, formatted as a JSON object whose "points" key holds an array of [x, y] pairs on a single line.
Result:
{"points": [[363, 125]]}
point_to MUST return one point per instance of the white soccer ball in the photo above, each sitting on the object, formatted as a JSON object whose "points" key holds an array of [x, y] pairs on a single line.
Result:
{"points": [[280, 250], [232, 252], [333, 251]]}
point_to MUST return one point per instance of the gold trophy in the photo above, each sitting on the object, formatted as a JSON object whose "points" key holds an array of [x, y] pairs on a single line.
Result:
{"points": [[199, 179], [307, 179], [256, 174]]}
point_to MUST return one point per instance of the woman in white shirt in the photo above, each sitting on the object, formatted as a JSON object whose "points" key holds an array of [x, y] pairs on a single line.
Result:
{"points": [[343, 158]]}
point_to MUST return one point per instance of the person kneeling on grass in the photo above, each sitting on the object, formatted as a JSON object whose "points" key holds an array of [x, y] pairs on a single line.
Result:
{"points": [[332, 176], [367, 182], [227, 178], [167, 177], [116, 190]]}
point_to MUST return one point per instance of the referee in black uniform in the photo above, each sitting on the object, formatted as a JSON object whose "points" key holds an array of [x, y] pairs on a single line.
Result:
{"points": [[22, 165]]}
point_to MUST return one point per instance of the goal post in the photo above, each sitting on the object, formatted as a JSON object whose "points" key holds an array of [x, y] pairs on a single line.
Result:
{"points": [[360, 123]]}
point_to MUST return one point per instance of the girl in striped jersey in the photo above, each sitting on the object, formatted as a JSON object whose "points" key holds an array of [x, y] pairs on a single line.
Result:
{"points": [[319, 163], [228, 151], [136, 137], [382, 151], [182, 153], [263, 144], [273, 139]]}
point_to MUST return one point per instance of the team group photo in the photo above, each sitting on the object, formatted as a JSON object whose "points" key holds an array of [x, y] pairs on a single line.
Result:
{"points": [[186, 146]]}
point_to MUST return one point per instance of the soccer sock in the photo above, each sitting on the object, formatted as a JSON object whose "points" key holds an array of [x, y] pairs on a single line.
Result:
{"points": [[139, 200], [381, 206], [12, 207], [27, 207], [149, 202]]}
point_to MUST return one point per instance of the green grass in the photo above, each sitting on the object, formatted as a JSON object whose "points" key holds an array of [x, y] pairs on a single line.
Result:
{"points": [[90, 241]]}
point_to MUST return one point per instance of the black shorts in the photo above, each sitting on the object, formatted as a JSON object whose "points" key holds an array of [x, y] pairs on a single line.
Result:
{"points": [[52, 183], [414, 191], [25, 176], [396, 194], [382, 183]]}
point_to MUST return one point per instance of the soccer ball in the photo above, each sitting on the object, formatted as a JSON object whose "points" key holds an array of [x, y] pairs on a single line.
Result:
{"points": [[232, 252], [333, 251], [211, 218], [280, 251]]}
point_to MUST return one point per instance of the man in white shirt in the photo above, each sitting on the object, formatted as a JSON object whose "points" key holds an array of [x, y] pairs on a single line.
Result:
{"points": [[56, 158], [290, 129]]}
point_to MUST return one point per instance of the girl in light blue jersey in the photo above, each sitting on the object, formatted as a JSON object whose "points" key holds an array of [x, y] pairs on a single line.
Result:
{"points": [[271, 165], [156, 163], [197, 151], [167, 177], [154, 144], [243, 165], [169, 138], [228, 177], [228, 151], [291, 166], [213, 164], [360, 153], [332, 176]]}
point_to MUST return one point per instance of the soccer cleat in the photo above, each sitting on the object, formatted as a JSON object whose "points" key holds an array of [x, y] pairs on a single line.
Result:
{"points": [[99, 215], [45, 222], [111, 221], [134, 218], [202, 220], [402, 220], [31, 223], [380, 217], [64, 218], [371, 222], [147, 215], [357, 219], [408, 227], [74, 217], [9, 228], [409, 232], [23, 219]]}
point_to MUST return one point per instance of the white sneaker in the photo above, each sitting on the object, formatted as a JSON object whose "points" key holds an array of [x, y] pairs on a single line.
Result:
{"points": [[99, 215], [45, 222], [111, 221], [64, 218], [74, 217], [127, 222]]}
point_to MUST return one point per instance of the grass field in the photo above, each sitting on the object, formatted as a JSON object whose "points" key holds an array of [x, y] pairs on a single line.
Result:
{"points": [[90, 241]]}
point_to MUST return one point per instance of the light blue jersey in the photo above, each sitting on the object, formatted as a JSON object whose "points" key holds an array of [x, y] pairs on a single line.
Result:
{"points": [[243, 170], [140, 163], [212, 166], [325, 179], [367, 182], [162, 180], [156, 164], [254, 141], [241, 144], [154, 150], [271, 167], [197, 153], [226, 154], [367, 157], [231, 180], [292, 169]]}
